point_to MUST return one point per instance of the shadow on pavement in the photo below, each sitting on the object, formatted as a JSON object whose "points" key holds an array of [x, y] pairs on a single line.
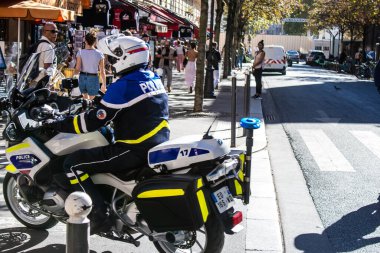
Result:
{"points": [[55, 248], [14, 240], [21, 239], [347, 234]]}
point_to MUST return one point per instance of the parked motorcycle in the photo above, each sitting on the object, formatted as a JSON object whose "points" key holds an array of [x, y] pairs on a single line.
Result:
{"points": [[182, 200]]}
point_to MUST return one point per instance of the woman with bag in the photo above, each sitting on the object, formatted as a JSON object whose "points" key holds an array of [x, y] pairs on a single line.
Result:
{"points": [[89, 61], [190, 69]]}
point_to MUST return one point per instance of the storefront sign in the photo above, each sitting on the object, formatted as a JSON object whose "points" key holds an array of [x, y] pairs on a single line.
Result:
{"points": [[161, 29], [72, 5]]}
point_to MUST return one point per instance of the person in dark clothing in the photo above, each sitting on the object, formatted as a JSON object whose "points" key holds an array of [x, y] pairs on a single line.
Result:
{"points": [[342, 57], [377, 76], [215, 58], [257, 68], [167, 55], [137, 104]]}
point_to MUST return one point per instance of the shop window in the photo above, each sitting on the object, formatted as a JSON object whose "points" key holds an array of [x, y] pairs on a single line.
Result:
{"points": [[318, 48], [326, 48]]}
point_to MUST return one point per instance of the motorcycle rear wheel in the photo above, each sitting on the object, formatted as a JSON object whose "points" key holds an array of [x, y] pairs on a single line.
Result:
{"points": [[213, 233], [21, 210]]}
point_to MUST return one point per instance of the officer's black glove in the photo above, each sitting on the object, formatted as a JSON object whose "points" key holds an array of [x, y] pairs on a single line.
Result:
{"points": [[50, 124]]}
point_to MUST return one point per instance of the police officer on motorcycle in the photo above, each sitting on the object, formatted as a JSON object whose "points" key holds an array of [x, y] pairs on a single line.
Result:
{"points": [[137, 104]]}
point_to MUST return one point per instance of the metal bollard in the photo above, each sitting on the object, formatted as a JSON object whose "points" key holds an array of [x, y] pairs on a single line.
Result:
{"points": [[247, 96], [233, 111], [78, 205], [249, 124]]}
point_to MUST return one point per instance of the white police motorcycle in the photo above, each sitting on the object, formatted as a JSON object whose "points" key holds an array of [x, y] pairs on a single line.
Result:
{"points": [[182, 199]]}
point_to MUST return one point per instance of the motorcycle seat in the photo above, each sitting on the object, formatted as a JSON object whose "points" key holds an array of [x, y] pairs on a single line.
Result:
{"points": [[138, 174]]}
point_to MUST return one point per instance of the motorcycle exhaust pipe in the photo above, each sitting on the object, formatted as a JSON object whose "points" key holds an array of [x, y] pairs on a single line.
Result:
{"points": [[170, 237]]}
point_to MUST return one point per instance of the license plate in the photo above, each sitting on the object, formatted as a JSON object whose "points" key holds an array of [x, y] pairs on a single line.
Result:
{"points": [[223, 199]]}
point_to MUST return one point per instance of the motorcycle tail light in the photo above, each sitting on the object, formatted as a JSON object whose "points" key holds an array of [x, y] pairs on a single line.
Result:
{"points": [[237, 218]]}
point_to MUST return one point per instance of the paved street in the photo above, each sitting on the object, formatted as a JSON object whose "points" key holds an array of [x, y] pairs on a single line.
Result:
{"points": [[332, 124]]}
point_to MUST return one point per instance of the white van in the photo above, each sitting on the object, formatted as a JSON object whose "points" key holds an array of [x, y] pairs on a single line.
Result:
{"points": [[275, 59]]}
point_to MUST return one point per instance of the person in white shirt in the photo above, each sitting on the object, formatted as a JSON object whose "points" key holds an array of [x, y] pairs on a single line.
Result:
{"points": [[47, 57], [180, 55]]}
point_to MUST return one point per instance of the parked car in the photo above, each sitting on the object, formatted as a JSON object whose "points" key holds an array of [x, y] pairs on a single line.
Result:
{"points": [[314, 55], [293, 55], [275, 59]]}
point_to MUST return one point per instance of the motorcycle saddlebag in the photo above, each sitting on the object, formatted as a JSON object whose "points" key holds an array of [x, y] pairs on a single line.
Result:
{"points": [[172, 202]]}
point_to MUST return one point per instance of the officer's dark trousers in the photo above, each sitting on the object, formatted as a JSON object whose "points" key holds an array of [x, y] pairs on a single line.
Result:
{"points": [[118, 157]]}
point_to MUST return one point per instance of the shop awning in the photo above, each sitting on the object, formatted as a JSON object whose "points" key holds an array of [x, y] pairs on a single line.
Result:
{"points": [[162, 28], [163, 14], [30, 10]]}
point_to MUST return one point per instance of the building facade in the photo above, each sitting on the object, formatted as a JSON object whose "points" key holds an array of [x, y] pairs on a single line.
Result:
{"points": [[189, 9]]}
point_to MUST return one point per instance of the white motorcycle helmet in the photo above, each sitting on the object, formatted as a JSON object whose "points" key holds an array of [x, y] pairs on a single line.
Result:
{"points": [[124, 53]]}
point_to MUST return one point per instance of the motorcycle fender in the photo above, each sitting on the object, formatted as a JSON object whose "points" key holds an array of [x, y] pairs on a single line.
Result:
{"points": [[12, 169]]}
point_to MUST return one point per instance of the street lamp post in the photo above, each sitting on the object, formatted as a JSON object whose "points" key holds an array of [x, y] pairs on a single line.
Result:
{"points": [[209, 80]]}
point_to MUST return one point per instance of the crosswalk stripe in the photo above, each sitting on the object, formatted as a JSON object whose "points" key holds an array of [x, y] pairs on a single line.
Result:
{"points": [[368, 139], [324, 152]]}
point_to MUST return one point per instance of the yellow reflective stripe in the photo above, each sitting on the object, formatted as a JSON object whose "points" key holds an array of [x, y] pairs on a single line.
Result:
{"points": [[199, 183], [161, 193], [238, 189], [241, 175], [163, 124], [74, 181], [17, 147], [202, 205], [76, 126], [84, 177], [242, 159], [11, 168]]}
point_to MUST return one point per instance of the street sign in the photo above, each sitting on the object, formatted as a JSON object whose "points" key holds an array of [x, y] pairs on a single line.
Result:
{"points": [[295, 20]]}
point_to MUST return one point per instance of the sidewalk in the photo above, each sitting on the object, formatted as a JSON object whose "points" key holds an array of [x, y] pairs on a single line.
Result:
{"points": [[263, 232]]}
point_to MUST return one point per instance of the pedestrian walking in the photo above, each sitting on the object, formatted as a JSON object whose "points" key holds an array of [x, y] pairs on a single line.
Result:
{"points": [[215, 59], [241, 52], [167, 56], [190, 68], [257, 68], [89, 61], [47, 57], [377, 76], [180, 49]]}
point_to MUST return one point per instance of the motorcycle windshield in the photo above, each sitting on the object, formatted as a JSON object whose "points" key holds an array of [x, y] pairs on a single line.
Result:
{"points": [[32, 73], [29, 70]]}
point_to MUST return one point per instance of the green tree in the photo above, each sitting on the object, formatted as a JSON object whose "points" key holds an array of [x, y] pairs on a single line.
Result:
{"points": [[352, 17], [299, 28]]}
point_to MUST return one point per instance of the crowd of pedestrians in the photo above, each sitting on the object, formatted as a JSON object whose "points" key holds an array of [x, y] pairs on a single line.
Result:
{"points": [[93, 70]]}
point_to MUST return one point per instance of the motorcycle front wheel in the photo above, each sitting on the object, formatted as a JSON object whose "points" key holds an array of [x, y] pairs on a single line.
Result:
{"points": [[208, 239], [21, 210]]}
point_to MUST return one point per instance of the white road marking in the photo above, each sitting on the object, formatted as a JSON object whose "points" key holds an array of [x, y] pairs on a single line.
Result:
{"points": [[324, 152], [369, 139]]}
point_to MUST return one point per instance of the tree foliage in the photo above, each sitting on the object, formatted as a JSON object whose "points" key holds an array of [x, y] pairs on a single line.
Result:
{"points": [[352, 16], [259, 15]]}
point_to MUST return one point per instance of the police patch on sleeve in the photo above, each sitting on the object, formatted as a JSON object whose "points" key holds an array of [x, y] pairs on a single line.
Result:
{"points": [[101, 114]]}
